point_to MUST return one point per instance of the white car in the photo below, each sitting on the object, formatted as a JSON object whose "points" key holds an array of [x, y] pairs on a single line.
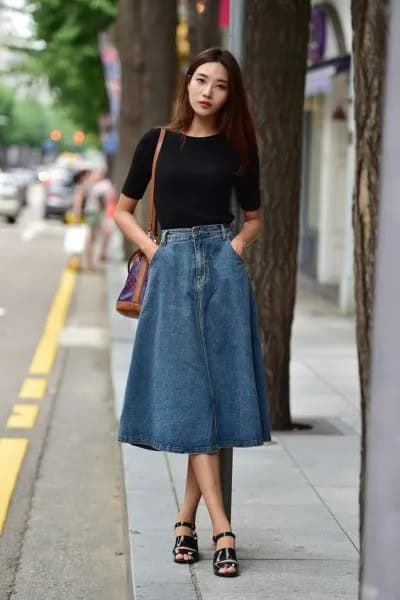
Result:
{"points": [[11, 200], [59, 186], [24, 177]]}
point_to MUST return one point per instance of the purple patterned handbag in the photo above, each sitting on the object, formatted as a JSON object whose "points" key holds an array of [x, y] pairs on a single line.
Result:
{"points": [[130, 299]]}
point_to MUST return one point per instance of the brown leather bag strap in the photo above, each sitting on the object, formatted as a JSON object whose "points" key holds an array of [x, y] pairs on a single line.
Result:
{"points": [[152, 217]]}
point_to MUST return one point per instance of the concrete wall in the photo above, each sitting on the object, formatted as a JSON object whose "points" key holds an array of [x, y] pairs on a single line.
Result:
{"points": [[334, 259], [333, 187]]}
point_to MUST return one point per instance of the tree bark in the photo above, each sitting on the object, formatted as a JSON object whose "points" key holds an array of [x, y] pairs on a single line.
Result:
{"points": [[275, 65], [369, 20], [204, 31], [146, 33]]}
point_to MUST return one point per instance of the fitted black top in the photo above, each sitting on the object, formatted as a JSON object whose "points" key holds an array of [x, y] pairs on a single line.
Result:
{"points": [[193, 181]]}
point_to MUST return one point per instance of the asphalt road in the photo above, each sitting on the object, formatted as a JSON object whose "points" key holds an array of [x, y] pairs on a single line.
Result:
{"points": [[62, 509]]}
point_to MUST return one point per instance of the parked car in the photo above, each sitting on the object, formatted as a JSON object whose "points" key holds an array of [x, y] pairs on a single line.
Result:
{"points": [[11, 199], [24, 178], [59, 190]]}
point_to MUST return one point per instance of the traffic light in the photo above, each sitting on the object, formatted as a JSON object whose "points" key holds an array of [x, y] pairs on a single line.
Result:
{"points": [[78, 137], [55, 135]]}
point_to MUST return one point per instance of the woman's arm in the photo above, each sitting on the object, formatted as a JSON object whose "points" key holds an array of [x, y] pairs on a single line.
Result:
{"points": [[250, 230], [125, 220]]}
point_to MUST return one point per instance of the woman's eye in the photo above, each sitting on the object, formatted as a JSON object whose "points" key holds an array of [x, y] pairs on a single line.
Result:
{"points": [[220, 85]]}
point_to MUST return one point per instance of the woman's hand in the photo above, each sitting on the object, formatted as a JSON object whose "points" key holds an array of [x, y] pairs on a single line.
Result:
{"points": [[149, 253], [238, 245]]}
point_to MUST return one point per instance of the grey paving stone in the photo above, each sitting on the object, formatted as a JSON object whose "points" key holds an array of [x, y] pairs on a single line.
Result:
{"points": [[168, 591], [294, 500], [282, 580]]}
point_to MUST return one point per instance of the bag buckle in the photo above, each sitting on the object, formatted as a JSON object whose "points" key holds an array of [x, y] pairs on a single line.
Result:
{"points": [[152, 236]]}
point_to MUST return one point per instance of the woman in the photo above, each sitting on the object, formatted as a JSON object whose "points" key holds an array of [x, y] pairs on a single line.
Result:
{"points": [[80, 180], [196, 379], [108, 221], [100, 193]]}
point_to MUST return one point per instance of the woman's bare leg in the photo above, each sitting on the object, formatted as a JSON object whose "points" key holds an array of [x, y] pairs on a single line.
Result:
{"points": [[89, 264], [105, 234], [188, 509], [206, 468]]}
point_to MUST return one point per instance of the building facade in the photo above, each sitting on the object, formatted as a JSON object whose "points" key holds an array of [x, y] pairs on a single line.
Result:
{"points": [[326, 244]]}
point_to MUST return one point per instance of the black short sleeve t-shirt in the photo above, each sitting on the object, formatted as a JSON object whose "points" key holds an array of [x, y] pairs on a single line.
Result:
{"points": [[194, 178]]}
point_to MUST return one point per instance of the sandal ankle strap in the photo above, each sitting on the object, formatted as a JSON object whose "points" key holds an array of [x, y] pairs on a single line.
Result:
{"points": [[220, 535], [186, 524]]}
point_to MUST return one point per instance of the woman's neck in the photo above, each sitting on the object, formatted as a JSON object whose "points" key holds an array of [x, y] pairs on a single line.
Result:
{"points": [[202, 127]]}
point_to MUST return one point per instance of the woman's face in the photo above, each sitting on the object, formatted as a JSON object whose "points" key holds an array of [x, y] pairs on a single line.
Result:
{"points": [[208, 88]]}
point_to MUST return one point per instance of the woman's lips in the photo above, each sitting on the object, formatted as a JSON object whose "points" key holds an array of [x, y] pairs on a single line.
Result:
{"points": [[205, 104]]}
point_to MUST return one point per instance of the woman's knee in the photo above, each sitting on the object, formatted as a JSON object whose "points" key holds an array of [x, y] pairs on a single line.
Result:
{"points": [[204, 455]]}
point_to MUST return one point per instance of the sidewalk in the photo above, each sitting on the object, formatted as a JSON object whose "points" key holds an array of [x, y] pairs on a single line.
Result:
{"points": [[295, 500]]}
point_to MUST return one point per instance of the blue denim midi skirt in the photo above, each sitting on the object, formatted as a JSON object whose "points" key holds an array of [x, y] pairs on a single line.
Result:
{"points": [[196, 379]]}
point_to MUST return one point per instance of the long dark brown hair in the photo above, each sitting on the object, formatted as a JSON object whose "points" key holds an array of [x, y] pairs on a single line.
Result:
{"points": [[234, 118]]}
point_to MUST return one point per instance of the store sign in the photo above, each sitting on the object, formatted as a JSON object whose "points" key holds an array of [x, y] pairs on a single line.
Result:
{"points": [[316, 44], [112, 75], [223, 14]]}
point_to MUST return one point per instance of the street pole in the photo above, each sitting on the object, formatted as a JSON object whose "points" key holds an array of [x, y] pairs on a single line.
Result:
{"points": [[236, 46], [236, 30], [381, 550]]}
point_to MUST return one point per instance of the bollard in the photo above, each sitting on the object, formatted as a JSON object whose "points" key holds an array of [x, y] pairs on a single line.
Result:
{"points": [[226, 456]]}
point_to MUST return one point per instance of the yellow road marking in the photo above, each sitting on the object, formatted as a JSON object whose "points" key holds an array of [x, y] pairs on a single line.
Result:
{"points": [[12, 452], [43, 358], [33, 389], [23, 416]]}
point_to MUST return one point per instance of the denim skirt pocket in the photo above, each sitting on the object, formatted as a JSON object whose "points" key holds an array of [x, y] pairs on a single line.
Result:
{"points": [[155, 255], [236, 255]]}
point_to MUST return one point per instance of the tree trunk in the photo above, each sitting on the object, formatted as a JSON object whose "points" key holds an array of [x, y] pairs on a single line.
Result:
{"points": [[204, 30], [369, 18], [275, 65], [146, 33]]}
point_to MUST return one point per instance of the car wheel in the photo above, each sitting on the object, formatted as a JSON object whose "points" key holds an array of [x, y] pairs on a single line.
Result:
{"points": [[11, 220]]}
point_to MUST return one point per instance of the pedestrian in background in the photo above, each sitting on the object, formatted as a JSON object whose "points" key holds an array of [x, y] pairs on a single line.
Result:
{"points": [[196, 381], [81, 188], [108, 220], [99, 196]]}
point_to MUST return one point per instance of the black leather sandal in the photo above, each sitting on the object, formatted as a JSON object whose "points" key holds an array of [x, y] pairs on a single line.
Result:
{"points": [[225, 557], [186, 544]]}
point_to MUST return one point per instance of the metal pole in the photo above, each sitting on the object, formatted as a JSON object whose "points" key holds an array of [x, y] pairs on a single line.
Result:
{"points": [[236, 29], [381, 551], [226, 464], [236, 46]]}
